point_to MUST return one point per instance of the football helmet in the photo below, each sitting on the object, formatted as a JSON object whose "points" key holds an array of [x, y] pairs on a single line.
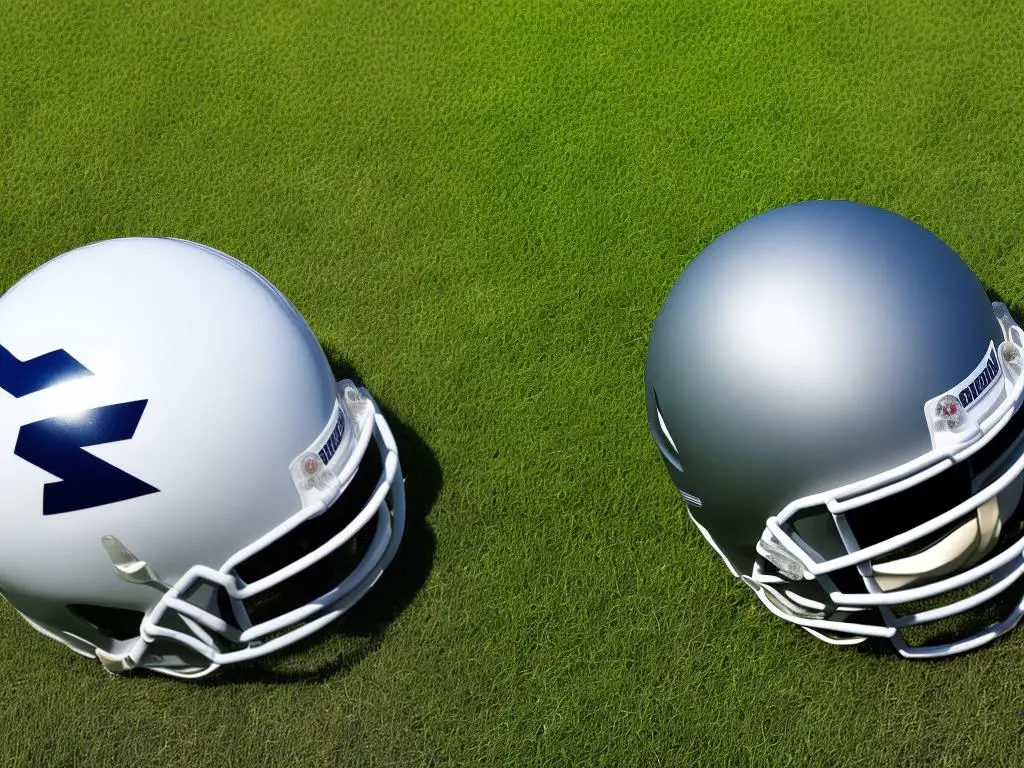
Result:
{"points": [[172, 428], [839, 404]]}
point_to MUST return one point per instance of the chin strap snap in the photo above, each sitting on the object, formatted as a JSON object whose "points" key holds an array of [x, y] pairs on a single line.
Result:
{"points": [[127, 565], [115, 665], [771, 549]]}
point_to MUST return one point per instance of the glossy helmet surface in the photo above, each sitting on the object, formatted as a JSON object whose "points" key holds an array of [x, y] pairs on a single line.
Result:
{"points": [[838, 402], [172, 426]]}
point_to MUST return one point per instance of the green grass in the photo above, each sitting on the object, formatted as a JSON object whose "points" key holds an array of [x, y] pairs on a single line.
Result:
{"points": [[480, 208]]}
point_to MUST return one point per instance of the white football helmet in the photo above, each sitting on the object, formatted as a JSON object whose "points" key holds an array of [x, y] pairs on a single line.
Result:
{"points": [[168, 419]]}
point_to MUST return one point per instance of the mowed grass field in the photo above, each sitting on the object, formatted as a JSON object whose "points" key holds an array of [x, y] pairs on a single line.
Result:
{"points": [[479, 207]]}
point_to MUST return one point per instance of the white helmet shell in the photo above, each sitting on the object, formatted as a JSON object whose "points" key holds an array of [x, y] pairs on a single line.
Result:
{"points": [[167, 415]]}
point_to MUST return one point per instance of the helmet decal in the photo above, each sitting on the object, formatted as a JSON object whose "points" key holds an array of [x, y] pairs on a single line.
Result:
{"points": [[20, 378], [56, 444], [981, 380], [326, 452]]}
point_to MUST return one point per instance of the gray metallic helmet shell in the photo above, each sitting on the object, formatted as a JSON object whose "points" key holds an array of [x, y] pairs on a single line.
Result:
{"points": [[795, 354]]}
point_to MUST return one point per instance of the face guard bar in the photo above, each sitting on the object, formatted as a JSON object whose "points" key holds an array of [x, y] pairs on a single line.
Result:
{"points": [[320, 482], [956, 435]]}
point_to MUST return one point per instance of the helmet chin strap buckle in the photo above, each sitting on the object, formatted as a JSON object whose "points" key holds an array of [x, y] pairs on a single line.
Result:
{"points": [[772, 550], [126, 565], [115, 664]]}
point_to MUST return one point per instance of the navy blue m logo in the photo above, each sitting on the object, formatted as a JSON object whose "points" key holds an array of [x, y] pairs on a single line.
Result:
{"points": [[56, 444]]}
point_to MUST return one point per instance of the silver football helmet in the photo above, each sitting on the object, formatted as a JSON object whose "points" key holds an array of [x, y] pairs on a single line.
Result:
{"points": [[839, 404], [173, 431]]}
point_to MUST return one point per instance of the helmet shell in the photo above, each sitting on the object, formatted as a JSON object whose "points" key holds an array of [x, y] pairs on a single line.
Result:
{"points": [[794, 355]]}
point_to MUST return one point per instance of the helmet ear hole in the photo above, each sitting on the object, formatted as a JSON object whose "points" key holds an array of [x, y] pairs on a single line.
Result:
{"points": [[118, 623]]}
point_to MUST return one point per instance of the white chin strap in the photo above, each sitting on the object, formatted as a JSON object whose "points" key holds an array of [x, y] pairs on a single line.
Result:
{"points": [[958, 550]]}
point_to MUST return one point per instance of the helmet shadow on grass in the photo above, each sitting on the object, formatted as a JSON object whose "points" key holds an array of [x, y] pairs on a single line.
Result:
{"points": [[361, 630]]}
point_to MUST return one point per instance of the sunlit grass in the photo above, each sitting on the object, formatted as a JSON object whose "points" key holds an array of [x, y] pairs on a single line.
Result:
{"points": [[480, 207]]}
